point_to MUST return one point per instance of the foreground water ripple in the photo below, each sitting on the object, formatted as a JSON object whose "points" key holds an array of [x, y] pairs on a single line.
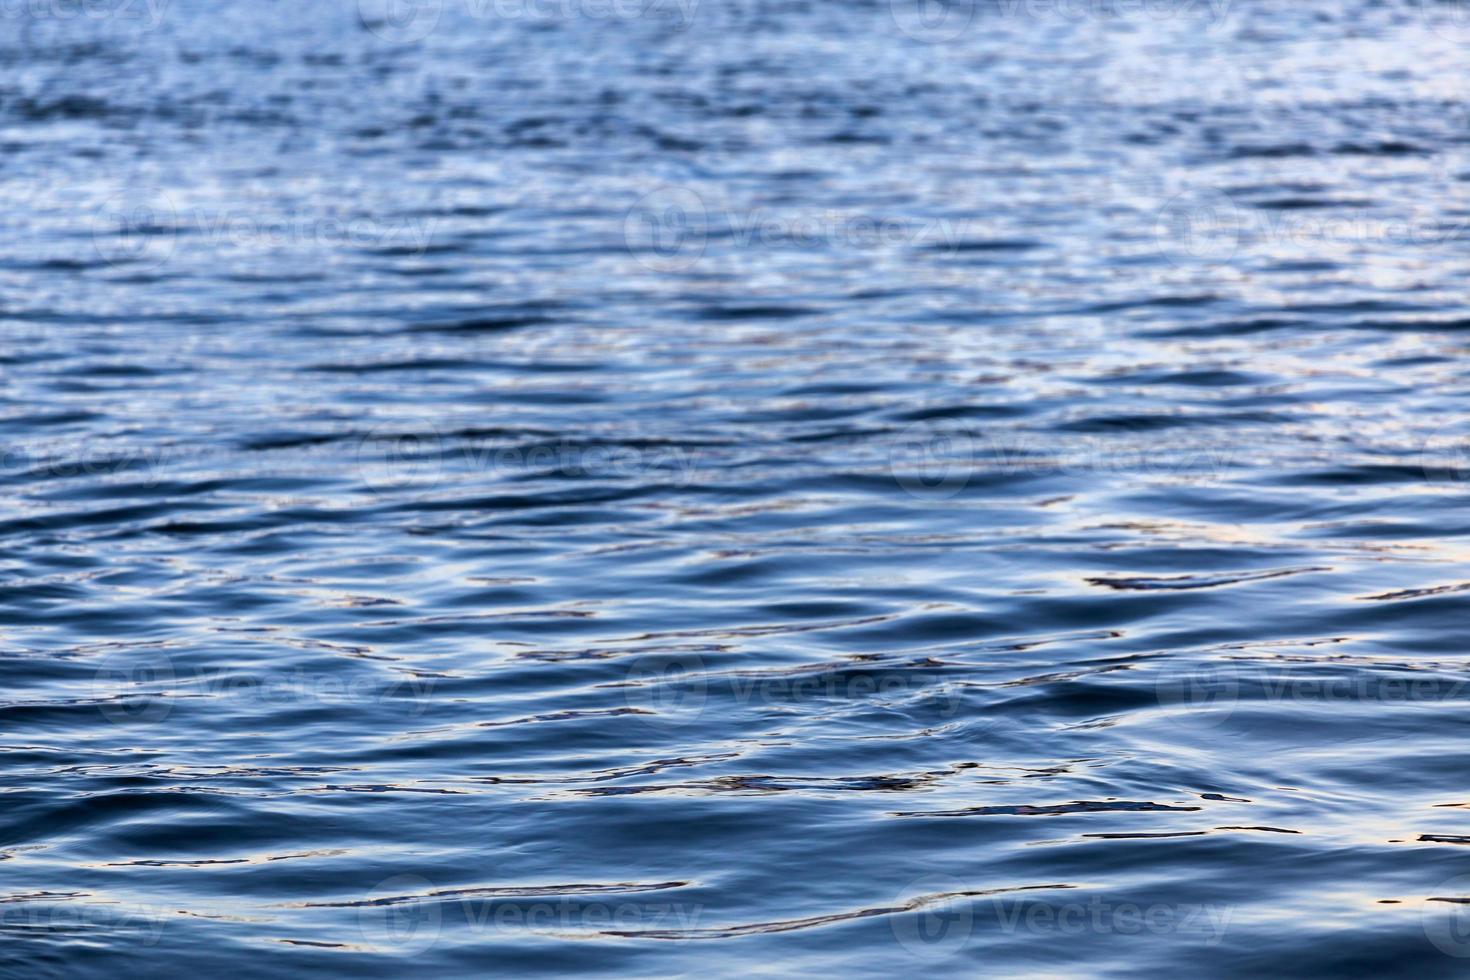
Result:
{"points": [[670, 488]]}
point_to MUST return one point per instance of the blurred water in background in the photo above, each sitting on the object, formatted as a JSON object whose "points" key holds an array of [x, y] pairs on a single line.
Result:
{"points": [[665, 486]]}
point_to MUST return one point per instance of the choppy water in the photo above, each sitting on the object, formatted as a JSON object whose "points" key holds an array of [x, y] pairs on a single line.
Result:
{"points": [[681, 488]]}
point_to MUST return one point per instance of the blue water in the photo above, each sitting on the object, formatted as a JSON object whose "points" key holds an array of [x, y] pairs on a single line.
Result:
{"points": [[812, 488]]}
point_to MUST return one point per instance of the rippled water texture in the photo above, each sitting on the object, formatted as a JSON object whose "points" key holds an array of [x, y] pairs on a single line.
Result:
{"points": [[815, 487]]}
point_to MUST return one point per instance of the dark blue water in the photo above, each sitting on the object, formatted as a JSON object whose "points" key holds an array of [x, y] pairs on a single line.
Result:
{"points": [[679, 488]]}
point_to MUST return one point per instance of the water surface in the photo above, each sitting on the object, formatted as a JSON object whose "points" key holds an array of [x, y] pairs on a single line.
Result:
{"points": [[787, 486]]}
